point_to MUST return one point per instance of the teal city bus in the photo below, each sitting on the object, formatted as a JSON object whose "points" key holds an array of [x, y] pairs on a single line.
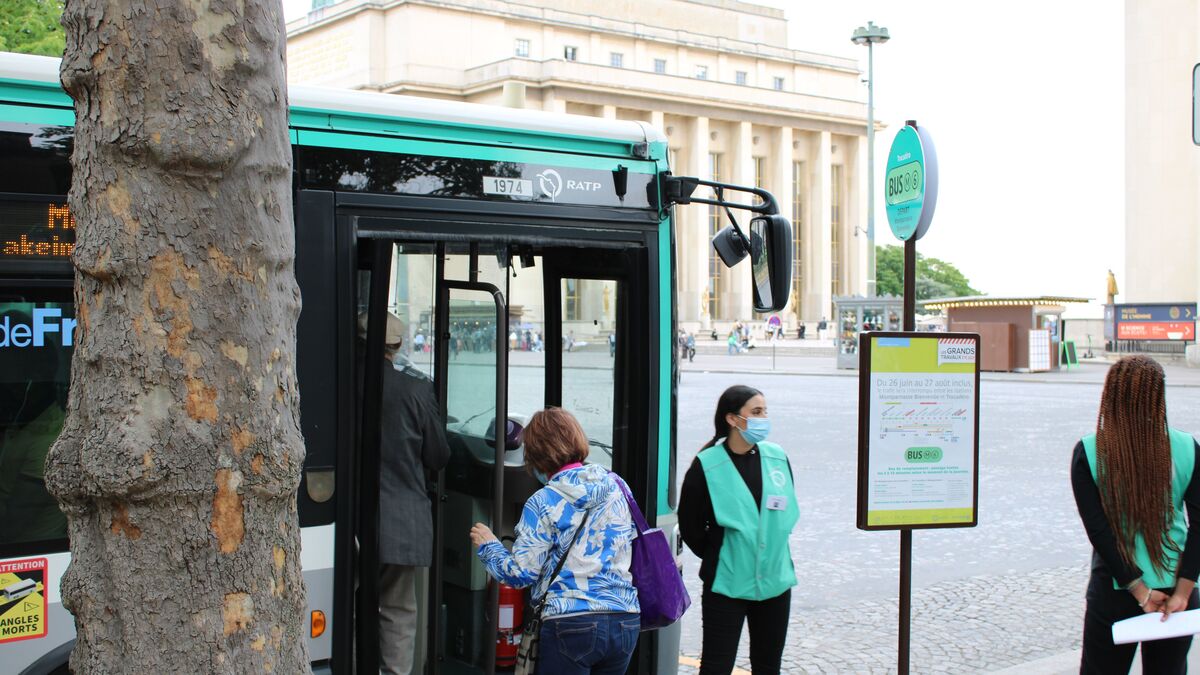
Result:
{"points": [[530, 257]]}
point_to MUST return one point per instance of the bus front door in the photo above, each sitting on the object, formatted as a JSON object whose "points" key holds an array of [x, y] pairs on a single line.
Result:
{"points": [[453, 317]]}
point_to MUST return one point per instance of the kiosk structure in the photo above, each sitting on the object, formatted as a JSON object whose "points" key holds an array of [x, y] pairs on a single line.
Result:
{"points": [[854, 315]]}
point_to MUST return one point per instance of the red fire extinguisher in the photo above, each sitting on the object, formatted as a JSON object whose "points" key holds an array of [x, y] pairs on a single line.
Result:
{"points": [[508, 628]]}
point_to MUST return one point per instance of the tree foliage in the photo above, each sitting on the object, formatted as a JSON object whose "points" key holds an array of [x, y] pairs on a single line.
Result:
{"points": [[31, 27], [935, 278]]}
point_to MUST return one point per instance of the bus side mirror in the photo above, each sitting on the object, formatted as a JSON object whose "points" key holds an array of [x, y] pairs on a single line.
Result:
{"points": [[770, 258], [771, 261]]}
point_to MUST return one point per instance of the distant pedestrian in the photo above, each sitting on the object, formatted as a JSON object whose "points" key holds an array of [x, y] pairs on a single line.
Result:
{"points": [[1134, 480], [821, 327], [801, 331], [691, 347], [732, 343], [737, 509]]}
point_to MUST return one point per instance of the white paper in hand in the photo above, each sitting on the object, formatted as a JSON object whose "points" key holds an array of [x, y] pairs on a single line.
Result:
{"points": [[1152, 627]]}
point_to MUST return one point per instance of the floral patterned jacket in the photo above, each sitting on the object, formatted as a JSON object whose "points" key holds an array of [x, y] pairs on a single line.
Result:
{"points": [[596, 576]]}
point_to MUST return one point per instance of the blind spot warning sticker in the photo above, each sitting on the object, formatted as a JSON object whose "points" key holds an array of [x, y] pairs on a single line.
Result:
{"points": [[22, 599]]}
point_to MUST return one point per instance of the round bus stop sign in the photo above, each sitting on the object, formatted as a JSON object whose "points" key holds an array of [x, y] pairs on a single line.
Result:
{"points": [[910, 185]]}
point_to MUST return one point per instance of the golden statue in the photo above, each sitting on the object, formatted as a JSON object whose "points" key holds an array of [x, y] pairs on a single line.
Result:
{"points": [[704, 302], [605, 299], [1112, 287]]}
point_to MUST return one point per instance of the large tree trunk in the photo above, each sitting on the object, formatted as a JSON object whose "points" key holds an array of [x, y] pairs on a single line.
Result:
{"points": [[181, 454]]}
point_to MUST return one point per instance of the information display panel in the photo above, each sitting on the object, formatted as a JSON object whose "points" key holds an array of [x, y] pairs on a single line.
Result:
{"points": [[37, 235], [918, 431]]}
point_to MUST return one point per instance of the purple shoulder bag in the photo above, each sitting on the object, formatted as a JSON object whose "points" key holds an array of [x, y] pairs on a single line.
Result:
{"points": [[659, 584]]}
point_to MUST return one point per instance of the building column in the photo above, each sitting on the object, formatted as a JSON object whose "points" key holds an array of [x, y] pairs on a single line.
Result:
{"points": [[608, 112], [553, 102], [657, 121], [781, 184], [738, 300], [377, 42], [856, 216], [693, 230], [817, 284]]}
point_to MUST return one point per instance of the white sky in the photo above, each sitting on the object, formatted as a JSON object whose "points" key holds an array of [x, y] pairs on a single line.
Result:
{"points": [[1025, 100]]}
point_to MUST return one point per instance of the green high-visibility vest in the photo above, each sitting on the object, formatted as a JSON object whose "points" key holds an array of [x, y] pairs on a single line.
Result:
{"points": [[1183, 461], [755, 563]]}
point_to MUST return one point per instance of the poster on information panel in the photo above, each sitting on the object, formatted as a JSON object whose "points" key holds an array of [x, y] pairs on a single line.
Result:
{"points": [[918, 431]]}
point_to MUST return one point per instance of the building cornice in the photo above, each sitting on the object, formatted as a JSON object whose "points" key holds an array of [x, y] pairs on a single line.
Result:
{"points": [[591, 23], [714, 109]]}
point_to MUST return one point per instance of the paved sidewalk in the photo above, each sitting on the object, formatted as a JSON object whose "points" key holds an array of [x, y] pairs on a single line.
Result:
{"points": [[987, 624], [974, 625]]}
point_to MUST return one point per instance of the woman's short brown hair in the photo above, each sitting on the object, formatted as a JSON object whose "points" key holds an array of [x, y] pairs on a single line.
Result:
{"points": [[553, 439]]}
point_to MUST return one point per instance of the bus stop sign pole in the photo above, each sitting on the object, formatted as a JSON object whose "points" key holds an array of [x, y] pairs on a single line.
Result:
{"points": [[910, 323], [911, 196]]}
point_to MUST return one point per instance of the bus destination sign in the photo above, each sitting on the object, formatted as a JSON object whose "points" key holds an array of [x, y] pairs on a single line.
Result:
{"points": [[36, 231]]}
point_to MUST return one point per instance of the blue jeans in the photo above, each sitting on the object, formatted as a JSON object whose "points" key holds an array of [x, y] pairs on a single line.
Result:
{"points": [[595, 644]]}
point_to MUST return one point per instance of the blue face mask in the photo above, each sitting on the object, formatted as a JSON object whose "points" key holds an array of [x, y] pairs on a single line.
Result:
{"points": [[756, 429]]}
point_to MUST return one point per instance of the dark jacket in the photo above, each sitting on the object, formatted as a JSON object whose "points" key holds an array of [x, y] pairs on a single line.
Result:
{"points": [[412, 442]]}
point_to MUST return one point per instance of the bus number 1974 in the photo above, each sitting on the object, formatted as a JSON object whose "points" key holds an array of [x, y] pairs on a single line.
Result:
{"points": [[507, 187]]}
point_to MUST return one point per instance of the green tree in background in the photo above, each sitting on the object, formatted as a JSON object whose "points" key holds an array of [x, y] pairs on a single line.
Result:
{"points": [[935, 278], [31, 27]]}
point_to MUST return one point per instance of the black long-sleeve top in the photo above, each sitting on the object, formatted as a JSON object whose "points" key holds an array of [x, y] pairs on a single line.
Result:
{"points": [[1106, 559], [697, 521]]}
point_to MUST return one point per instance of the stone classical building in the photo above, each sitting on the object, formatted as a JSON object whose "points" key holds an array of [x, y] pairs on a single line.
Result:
{"points": [[737, 105], [1162, 166]]}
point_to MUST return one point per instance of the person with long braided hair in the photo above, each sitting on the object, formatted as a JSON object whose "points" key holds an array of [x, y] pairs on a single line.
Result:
{"points": [[737, 508], [1133, 480]]}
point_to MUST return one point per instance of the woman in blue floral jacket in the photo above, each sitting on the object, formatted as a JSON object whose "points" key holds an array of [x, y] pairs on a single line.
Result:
{"points": [[591, 619]]}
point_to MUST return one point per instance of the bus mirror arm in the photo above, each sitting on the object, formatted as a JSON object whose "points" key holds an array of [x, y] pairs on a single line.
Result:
{"points": [[732, 244], [679, 189]]}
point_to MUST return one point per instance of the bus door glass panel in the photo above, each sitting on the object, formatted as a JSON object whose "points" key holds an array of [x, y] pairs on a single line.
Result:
{"points": [[408, 345], [411, 290], [589, 356], [466, 637], [526, 338], [36, 341], [526, 373]]}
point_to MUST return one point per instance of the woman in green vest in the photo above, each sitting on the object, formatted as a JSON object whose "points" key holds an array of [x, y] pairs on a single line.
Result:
{"points": [[1133, 480], [736, 511]]}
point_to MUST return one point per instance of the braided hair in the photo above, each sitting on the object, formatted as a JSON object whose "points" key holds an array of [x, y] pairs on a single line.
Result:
{"points": [[1133, 458], [730, 403]]}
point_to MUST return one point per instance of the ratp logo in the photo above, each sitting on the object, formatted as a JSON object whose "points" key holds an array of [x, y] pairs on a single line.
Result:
{"points": [[551, 183], [45, 321]]}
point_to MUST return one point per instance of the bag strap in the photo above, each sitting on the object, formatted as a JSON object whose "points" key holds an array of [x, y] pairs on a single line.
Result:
{"points": [[558, 567], [638, 518]]}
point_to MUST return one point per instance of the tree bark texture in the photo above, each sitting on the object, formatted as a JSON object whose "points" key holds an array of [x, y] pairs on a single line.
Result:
{"points": [[181, 454]]}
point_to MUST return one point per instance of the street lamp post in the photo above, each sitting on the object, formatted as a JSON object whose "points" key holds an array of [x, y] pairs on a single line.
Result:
{"points": [[870, 36]]}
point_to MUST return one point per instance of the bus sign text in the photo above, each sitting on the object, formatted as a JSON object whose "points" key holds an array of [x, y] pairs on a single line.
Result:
{"points": [[45, 321]]}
